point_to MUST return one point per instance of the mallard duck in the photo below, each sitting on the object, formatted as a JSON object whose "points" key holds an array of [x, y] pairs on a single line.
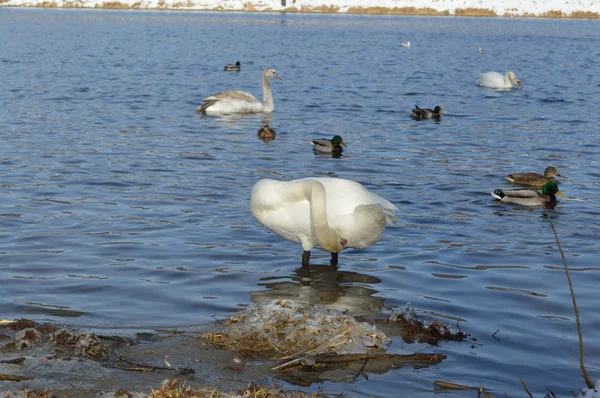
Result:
{"points": [[266, 133], [234, 101], [534, 179], [528, 197], [497, 80], [426, 113], [236, 67], [333, 145], [331, 214]]}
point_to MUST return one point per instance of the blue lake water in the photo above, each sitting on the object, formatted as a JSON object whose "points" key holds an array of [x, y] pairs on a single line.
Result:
{"points": [[123, 208]]}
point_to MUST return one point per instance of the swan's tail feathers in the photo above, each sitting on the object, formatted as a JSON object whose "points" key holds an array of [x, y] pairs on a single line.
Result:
{"points": [[390, 217], [206, 104], [498, 194]]}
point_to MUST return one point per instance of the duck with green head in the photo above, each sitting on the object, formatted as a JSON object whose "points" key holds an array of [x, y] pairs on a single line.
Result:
{"points": [[333, 145], [534, 179], [529, 197], [426, 113]]}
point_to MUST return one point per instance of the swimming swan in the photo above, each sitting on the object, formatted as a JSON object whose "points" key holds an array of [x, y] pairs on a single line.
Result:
{"points": [[327, 213], [528, 197], [233, 101], [497, 80]]}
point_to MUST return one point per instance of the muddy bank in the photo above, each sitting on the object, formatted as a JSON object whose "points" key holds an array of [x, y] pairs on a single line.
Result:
{"points": [[77, 363]]}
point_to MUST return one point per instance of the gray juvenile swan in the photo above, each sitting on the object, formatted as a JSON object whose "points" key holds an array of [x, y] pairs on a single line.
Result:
{"points": [[233, 101]]}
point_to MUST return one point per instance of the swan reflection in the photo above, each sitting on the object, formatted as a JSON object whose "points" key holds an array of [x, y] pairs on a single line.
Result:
{"points": [[323, 285]]}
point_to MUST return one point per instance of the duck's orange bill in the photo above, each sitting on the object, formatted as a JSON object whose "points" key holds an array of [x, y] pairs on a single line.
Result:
{"points": [[561, 195]]}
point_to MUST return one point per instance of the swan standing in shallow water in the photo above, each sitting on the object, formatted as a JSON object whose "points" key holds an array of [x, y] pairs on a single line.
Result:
{"points": [[497, 80], [327, 213], [233, 101]]}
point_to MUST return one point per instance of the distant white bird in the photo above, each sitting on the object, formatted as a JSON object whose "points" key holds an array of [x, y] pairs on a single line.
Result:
{"points": [[497, 80], [481, 51], [233, 101], [167, 364], [407, 44]]}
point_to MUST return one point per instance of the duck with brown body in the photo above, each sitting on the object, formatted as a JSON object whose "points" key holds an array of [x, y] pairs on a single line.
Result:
{"points": [[534, 179]]}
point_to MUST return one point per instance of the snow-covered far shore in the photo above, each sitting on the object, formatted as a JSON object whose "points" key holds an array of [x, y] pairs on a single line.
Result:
{"points": [[506, 8]]}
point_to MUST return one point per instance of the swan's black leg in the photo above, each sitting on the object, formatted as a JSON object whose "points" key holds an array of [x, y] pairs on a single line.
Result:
{"points": [[334, 259], [305, 257]]}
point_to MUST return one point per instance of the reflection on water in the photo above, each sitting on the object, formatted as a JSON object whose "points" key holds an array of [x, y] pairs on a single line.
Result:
{"points": [[323, 285]]}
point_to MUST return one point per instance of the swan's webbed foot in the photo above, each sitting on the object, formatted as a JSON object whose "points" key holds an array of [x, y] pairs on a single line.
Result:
{"points": [[305, 258], [334, 259]]}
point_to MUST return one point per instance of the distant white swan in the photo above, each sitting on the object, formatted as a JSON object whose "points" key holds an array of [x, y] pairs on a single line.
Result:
{"points": [[233, 101], [328, 213], [407, 44], [497, 80]]}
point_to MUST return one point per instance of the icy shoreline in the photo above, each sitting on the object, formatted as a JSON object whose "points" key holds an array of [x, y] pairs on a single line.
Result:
{"points": [[507, 8]]}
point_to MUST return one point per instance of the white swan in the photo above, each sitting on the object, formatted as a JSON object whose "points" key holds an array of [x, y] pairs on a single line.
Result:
{"points": [[407, 44], [233, 101], [328, 213], [497, 80]]}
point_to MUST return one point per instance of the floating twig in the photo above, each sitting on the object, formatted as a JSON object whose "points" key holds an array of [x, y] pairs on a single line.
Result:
{"points": [[525, 386], [494, 335], [586, 376], [453, 386], [5, 377], [322, 359]]}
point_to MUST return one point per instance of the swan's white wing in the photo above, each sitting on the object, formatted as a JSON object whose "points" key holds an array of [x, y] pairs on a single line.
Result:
{"points": [[344, 196], [232, 95], [492, 80]]}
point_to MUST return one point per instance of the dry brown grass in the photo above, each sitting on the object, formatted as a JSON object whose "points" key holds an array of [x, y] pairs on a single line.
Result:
{"points": [[560, 14], [47, 4], [330, 9], [114, 5], [396, 11], [475, 12]]}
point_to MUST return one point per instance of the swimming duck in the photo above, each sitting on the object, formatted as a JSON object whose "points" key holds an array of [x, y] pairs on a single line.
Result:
{"points": [[426, 113], [331, 214], [528, 197], [534, 179], [236, 67], [333, 145], [481, 50], [497, 80], [233, 101], [266, 133]]}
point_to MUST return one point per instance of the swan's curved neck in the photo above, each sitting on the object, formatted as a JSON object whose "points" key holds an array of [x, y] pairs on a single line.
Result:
{"points": [[267, 94], [327, 238]]}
